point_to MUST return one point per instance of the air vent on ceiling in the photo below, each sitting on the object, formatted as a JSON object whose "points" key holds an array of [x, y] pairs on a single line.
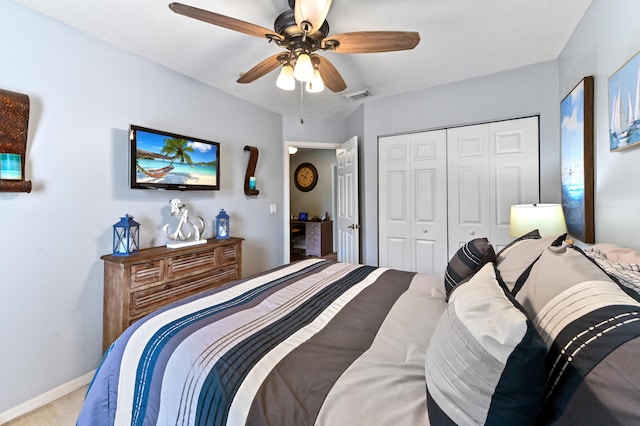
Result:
{"points": [[354, 96]]}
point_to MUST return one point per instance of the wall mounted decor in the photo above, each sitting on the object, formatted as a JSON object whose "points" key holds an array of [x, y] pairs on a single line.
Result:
{"points": [[577, 160], [624, 105], [305, 177], [249, 177], [14, 126]]}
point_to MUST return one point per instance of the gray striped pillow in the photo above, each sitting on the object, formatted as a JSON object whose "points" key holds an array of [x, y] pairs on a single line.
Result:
{"points": [[469, 259], [628, 274], [590, 325]]}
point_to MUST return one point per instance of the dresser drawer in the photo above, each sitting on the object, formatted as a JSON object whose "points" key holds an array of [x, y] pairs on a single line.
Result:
{"points": [[155, 297], [190, 264], [230, 254], [149, 272]]}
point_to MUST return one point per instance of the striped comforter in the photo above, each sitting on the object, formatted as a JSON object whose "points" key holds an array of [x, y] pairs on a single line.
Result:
{"points": [[314, 342]]}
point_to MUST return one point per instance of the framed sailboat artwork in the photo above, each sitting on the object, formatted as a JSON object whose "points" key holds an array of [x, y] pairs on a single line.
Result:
{"points": [[576, 139], [624, 106]]}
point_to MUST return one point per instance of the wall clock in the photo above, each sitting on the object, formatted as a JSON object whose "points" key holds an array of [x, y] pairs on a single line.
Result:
{"points": [[305, 177]]}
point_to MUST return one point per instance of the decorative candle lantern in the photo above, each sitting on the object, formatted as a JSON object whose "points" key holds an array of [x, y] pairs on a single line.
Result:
{"points": [[222, 225], [126, 236]]}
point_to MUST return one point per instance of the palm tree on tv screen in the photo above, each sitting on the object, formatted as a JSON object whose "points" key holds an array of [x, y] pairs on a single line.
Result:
{"points": [[177, 148]]}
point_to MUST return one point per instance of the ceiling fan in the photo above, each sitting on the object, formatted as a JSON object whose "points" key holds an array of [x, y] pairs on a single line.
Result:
{"points": [[303, 30]]}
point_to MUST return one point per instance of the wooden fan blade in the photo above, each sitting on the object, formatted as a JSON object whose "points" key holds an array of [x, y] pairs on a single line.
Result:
{"points": [[373, 41], [330, 75], [261, 69], [223, 21]]}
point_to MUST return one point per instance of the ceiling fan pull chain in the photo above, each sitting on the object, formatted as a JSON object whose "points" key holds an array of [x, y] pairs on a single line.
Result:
{"points": [[301, 103]]}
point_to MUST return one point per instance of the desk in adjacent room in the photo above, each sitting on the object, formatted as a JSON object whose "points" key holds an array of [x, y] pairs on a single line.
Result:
{"points": [[318, 236]]}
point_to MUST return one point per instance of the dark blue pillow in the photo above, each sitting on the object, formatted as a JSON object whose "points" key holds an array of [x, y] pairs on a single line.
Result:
{"points": [[469, 259]]}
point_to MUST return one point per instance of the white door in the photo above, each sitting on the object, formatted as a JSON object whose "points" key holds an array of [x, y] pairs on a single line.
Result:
{"points": [[348, 214], [469, 204], [413, 202], [514, 171], [491, 167], [429, 201], [394, 192]]}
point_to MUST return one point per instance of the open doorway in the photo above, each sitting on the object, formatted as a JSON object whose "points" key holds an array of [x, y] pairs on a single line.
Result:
{"points": [[317, 203]]}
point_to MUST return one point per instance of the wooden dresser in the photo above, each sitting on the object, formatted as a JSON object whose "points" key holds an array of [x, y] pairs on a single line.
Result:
{"points": [[149, 279]]}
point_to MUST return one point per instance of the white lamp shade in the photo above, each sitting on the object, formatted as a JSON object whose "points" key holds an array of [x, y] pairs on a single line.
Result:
{"points": [[303, 71], [314, 12], [285, 80], [548, 219], [316, 85]]}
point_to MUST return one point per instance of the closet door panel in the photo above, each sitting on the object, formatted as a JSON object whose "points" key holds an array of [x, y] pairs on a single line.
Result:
{"points": [[413, 202], [468, 186], [514, 160], [429, 201], [394, 212]]}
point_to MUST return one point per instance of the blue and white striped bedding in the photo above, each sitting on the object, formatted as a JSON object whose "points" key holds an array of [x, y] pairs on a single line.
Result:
{"points": [[314, 342]]}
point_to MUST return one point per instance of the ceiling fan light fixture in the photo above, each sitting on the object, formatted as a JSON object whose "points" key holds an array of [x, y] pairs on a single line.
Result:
{"points": [[316, 85], [311, 13], [285, 80], [303, 71]]}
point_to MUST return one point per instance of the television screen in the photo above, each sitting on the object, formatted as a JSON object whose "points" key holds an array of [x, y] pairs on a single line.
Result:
{"points": [[162, 160]]}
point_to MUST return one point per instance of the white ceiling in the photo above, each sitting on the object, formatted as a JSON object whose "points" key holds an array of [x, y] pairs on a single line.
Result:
{"points": [[460, 39]]}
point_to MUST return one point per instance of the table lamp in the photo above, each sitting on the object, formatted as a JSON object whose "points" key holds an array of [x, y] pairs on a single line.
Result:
{"points": [[548, 219]]}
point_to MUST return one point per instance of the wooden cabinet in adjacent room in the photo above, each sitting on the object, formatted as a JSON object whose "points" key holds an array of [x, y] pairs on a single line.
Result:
{"points": [[145, 281], [319, 238]]}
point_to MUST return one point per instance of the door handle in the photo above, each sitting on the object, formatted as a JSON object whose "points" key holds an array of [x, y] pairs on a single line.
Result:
{"points": [[354, 226]]}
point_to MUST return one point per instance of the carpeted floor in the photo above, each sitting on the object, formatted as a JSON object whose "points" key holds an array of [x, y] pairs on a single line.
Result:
{"points": [[61, 412]]}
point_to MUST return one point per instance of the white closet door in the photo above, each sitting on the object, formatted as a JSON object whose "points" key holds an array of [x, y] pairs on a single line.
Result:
{"points": [[491, 167], [440, 189], [429, 201], [394, 222], [514, 160], [413, 202], [469, 201]]}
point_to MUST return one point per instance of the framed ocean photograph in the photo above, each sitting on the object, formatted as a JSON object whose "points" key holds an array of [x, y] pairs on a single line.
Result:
{"points": [[624, 106], [576, 139]]}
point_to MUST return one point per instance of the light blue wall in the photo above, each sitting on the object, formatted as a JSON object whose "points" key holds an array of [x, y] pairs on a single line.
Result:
{"points": [[84, 94], [607, 37], [314, 129]]}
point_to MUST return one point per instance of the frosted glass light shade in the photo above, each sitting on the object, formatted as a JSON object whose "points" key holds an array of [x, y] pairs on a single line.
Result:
{"points": [[303, 71], [285, 80], [316, 85], [548, 219], [314, 12]]}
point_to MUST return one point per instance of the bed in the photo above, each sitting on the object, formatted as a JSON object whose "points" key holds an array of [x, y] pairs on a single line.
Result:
{"points": [[323, 342]]}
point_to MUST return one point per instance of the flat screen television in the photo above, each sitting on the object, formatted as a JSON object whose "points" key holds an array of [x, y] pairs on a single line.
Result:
{"points": [[163, 160]]}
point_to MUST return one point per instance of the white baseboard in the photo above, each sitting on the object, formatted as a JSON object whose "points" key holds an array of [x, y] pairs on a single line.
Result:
{"points": [[46, 398]]}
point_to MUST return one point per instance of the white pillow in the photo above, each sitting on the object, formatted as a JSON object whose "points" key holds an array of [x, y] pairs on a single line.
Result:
{"points": [[485, 361]]}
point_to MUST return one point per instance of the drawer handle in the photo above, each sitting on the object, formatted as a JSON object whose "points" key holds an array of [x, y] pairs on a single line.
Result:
{"points": [[167, 286]]}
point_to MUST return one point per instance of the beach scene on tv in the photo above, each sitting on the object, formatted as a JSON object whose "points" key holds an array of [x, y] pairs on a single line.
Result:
{"points": [[172, 160]]}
